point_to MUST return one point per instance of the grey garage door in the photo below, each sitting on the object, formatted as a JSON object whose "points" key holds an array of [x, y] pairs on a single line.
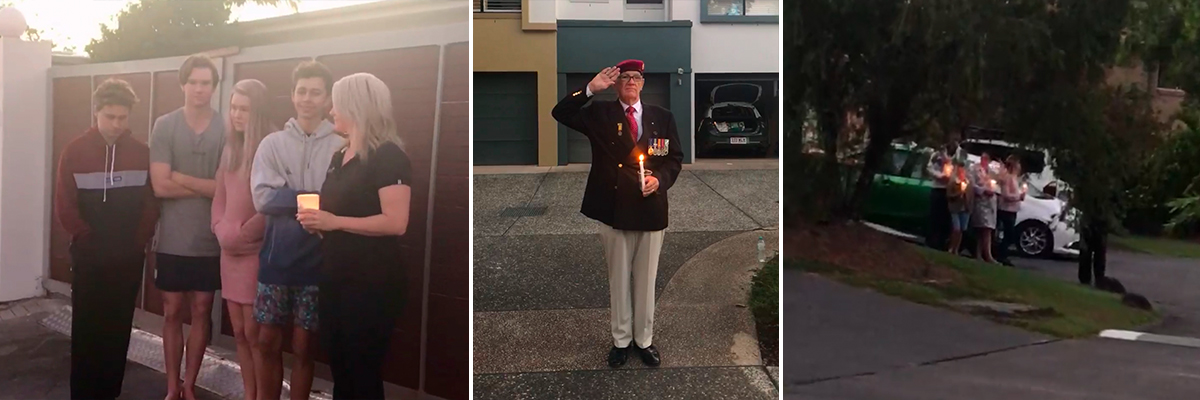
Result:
{"points": [[657, 91], [506, 120]]}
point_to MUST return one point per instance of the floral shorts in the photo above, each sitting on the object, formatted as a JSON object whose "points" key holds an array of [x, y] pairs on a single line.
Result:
{"points": [[280, 304]]}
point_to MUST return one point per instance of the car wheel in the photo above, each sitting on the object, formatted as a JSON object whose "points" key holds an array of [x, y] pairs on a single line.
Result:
{"points": [[1034, 239]]}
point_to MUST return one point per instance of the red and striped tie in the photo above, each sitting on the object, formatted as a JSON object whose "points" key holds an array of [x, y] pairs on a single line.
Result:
{"points": [[633, 127]]}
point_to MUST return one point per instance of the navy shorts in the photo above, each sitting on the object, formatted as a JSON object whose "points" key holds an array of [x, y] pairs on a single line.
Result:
{"points": [[174, 273]]}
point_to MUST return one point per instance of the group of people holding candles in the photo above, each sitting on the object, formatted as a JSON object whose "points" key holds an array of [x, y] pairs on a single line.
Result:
{"points": [[984, 197], [296, 227]]}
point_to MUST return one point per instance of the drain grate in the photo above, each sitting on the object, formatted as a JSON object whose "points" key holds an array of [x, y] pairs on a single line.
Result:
{"points": [[523, 211]]}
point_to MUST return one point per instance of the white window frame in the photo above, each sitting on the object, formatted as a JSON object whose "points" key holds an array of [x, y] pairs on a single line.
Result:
{"points": [[483, 7], [661, 5]]}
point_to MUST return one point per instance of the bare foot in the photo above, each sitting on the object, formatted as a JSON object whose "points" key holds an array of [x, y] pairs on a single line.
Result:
{"points": [[176, 395], [189, 392]]}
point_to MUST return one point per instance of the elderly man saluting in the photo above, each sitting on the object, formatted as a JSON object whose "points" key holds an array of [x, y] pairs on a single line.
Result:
{"points": [[628, 197]]}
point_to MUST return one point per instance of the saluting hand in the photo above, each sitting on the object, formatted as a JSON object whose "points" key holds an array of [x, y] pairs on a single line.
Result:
{"points": [[605, 79]]}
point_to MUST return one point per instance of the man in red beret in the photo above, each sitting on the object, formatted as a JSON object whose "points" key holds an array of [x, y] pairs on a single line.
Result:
{"points": [[627, 138]]}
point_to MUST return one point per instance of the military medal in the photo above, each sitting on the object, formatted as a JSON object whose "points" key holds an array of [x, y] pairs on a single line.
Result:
{"points": [[618, 129], [659, 147]]}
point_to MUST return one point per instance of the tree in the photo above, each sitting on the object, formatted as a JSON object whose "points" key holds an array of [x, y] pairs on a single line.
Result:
{"points": [[163, 28], [921, 68], [1166, 35], [913, 69]]}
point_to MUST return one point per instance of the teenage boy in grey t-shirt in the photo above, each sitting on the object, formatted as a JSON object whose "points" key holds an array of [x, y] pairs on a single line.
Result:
{"points": [[185, 149]]}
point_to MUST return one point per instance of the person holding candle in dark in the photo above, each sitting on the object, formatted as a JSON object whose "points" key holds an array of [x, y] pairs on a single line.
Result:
{"points": [[364, 209], [959, 201], [983, 214], [939, 168], [1012, 193], [626, 138]]}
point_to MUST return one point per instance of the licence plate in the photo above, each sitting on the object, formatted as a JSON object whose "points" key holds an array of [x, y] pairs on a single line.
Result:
{"points": [[738, 140]]}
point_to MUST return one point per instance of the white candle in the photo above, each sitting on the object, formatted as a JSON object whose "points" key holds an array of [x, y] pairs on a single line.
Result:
{"points": [[642, 170]]}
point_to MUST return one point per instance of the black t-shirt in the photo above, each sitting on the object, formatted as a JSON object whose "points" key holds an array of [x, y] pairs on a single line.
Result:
{"points": [[352, 190]]}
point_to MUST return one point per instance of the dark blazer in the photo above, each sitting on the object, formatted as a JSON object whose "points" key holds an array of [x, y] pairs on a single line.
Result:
{"points": [[613, 195]]}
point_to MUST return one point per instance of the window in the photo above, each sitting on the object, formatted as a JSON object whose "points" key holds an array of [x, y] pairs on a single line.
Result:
{"points": [[496, 5], [920, 161], [646, 10], [893, 163], [746, 11]]}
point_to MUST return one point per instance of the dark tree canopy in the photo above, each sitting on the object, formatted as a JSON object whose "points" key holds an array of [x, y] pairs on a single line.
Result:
{"points": [[163, 28], [920, 69]]}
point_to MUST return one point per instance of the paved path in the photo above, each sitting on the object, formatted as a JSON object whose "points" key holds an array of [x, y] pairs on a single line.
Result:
{"points": [[849, 343], [541, 291], [35, 363]]}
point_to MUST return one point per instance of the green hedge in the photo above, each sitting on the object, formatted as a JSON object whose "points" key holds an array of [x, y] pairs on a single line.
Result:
{"points": [[764, 296]]}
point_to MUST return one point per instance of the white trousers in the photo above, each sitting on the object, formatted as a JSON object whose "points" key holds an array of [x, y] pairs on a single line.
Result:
{"points": [[632, 267]]}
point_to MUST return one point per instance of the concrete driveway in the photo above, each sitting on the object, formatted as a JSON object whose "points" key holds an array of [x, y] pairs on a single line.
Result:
{"points": [[848, 343], [541, 288]]}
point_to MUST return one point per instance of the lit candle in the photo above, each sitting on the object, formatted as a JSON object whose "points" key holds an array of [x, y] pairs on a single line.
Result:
{"points": [[993, 185], [1024, 188], [308, 201], [642, 170]]}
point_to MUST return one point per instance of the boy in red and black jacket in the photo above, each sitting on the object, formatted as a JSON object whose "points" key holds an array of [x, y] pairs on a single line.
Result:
{"points": [[104, 200]]}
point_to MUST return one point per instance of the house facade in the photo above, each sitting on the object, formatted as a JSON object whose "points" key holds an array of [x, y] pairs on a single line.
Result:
{"points": [[689, 47]]}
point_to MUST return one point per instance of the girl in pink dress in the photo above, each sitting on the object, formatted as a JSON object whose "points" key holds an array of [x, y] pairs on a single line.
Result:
{"points": [[239, 228]]}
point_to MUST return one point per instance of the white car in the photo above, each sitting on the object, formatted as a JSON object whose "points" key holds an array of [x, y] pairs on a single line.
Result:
{"points": [[1044, 223]]}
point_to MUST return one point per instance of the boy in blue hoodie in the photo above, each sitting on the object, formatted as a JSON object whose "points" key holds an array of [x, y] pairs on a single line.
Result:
{"points": [[288, 163]]}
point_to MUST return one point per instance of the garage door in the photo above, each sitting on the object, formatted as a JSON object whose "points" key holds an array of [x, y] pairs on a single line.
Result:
{"points": [[657, 92], [506, 120]]}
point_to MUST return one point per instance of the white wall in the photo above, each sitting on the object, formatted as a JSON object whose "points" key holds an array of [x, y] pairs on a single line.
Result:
{"points": [[24, 168], [542, 11], [609, 10], [728, 47]]}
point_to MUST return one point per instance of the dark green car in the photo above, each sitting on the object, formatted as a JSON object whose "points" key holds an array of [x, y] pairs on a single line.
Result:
{"points": [[899, 197]]}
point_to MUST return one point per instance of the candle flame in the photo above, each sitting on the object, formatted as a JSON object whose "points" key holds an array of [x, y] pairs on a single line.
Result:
{"points": [[640, 157]]}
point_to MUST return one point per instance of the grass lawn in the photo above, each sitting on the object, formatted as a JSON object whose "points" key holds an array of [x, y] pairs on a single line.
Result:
{"points": [[1157, 246], [764, 304], [1081, 311]]}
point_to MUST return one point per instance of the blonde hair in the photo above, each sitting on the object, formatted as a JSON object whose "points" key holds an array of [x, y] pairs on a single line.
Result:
{"points": [[367, 102], [243, 145]]}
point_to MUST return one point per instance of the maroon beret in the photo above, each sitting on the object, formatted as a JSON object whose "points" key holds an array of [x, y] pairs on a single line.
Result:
{"points": [[632, 65]]}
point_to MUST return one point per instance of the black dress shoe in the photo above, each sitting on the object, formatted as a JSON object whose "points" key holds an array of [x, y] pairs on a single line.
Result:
{"points": [[618, 356], [650, 356]]}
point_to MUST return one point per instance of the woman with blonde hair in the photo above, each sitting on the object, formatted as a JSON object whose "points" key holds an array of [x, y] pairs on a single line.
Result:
{"points": [[238, 227], [1012, 193], [364, 210]]}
